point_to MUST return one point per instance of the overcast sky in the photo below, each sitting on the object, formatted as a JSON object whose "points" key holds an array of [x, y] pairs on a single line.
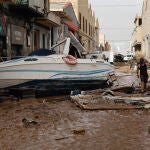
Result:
{"points": [[116, 20]]}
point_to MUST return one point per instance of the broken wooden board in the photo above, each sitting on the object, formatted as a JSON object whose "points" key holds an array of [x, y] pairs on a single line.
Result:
{"points": [[109, 107], [123, 89], [108, 101], [85, 100], [101, 105], [127, 99]]}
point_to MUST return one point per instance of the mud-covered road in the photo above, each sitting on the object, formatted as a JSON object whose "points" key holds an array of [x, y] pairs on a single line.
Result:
{"points": [[63, 126], [55, 123]]}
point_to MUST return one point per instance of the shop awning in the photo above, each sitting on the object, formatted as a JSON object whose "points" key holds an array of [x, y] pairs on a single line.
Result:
{"points": [[50, 20], [71, 25], [76, 43]]}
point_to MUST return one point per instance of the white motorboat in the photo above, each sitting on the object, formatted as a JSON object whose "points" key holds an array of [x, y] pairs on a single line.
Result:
{"points": [[57, 73]]}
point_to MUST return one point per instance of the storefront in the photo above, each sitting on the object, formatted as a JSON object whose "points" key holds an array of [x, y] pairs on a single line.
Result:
{"points": [[17, 40]]}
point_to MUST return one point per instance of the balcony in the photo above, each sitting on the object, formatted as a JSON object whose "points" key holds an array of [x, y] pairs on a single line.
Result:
{"points": [[38, 5], [51, 19], [21, 1], [30, 8]]}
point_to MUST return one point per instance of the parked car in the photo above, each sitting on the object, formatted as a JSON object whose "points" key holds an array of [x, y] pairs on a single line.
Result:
{"points": [[128, 57], [118, 58]]}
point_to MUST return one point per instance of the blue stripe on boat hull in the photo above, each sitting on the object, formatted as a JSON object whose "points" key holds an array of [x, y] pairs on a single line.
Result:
{"points": [[57, 87]]}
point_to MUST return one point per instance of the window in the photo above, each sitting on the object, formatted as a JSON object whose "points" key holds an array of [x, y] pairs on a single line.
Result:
{"points": [[52, 36], [80, 20], [83, 23], [146, 5], [43, 37], [93, 31], [86, 25], [36, 39], [140, 21]]}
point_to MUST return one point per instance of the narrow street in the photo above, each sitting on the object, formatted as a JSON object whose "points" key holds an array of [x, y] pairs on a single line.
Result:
{"points": [[94, 56], [57, 121]]}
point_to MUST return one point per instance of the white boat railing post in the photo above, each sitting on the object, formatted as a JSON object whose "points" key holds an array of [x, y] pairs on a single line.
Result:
{"points": [[66, 48]]}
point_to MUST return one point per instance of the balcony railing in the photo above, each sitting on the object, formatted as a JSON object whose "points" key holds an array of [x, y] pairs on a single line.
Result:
{"points": [[22, 2]]}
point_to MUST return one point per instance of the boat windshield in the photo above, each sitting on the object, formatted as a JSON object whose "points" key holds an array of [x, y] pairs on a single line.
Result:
{"points": [[42, 52]]}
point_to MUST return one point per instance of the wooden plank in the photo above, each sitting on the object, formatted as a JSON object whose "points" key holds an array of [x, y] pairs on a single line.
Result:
{"points": [[103, 106], [124, 89]]}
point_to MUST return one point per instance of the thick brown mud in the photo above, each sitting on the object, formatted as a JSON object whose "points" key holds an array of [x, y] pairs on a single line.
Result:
{"points": [[61, 125]]}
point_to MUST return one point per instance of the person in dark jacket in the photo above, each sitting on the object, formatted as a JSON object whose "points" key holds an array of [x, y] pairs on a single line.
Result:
{"points": [[142, 73]]}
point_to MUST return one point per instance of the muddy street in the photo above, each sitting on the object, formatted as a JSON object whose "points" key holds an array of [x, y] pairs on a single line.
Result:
{"points": [[74, 75], [56, 123], [61, 125]]}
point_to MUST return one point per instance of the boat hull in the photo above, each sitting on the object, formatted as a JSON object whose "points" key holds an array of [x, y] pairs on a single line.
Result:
{"points": [[58, 87], [53, 75]]}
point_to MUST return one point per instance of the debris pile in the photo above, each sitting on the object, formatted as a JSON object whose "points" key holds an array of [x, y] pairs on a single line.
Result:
{"points": [[116, 98]]}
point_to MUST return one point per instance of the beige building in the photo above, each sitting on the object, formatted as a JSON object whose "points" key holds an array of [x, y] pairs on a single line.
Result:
{"points": [[146, 28], [89, 25], [141, 35], [136, 41]]}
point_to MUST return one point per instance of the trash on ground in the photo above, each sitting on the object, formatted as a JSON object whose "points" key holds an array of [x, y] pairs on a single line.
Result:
{"points": [[28, 123], [62, 138], [79, 132]]}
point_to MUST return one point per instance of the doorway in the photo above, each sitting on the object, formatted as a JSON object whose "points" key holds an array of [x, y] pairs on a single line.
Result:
{"points": [[36, 40], [16, 51], [3, 48]]}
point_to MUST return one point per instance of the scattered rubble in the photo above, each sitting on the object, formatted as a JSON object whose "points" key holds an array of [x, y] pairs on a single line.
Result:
{"points": [[28, 123], [111, 99], [79, 132]]}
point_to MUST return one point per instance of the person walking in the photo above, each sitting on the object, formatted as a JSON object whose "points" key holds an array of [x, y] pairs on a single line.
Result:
{"points": [[143, 74]]}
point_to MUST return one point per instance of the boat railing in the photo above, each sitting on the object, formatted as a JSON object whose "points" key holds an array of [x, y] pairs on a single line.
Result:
{"points": [[2, 59]]}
